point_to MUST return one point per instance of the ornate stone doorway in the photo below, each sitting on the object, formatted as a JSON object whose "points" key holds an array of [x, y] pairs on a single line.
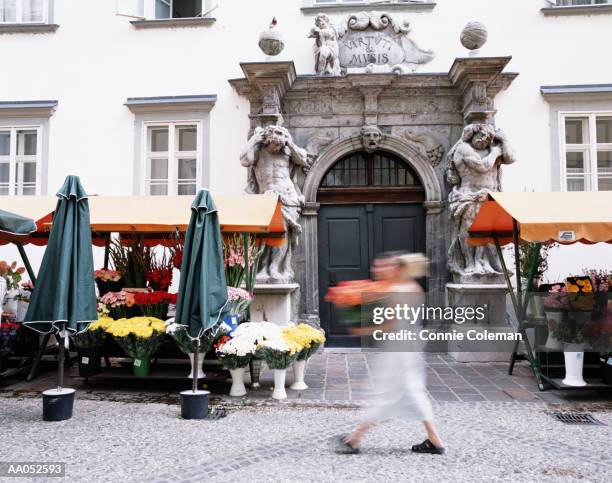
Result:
{"points": [[370, 203]]}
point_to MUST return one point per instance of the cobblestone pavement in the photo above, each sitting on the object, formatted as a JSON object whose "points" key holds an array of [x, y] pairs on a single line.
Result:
{"points": [[131, 442], [342, 377]]}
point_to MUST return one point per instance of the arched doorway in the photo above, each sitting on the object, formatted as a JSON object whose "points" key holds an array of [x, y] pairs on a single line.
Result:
{"points": [[370, 203]]}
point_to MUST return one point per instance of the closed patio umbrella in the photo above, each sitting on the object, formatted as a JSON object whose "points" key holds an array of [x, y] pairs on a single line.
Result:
{"points": [[202, 295], [64, 299]]}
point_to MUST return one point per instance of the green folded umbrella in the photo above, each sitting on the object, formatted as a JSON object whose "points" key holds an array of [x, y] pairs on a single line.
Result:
{"points": [[65, 295], [202, 296], [16, 224]]}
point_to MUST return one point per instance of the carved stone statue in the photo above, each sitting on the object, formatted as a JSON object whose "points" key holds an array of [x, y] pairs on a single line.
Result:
{"points": [[474, 171], [427, 144], [371, 136], [272, 158], [326, 46]]}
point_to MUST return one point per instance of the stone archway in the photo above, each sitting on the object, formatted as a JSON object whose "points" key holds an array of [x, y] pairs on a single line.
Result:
{"points": [[434, 231]]}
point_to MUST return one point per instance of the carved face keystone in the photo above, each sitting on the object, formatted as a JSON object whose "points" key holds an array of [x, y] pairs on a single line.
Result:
{"points": [[371, 137]]}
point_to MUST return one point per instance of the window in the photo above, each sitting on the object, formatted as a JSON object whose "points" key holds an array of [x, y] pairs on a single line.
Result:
{"points": [[23, 11], [587, 151], [573, 3], [178, 8], [172, 159], [376, 170], [20, 160], [163, 9]]}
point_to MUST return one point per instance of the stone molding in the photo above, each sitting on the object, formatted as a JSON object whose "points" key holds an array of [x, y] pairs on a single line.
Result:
{"points": [[139, 105], [28, 28], [311, 8], [15, 109], [577, 10]]}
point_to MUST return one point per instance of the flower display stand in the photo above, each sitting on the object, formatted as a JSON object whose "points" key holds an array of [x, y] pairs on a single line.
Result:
{"points": [[275, 303]]}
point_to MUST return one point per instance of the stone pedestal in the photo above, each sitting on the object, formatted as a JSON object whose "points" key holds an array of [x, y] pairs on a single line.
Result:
{"points": [[276, 303], [493, 296]]}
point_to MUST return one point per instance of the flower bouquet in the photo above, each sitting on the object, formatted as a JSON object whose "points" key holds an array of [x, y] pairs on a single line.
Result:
{"points": [[117, 305], [580, 293], [153, 304], [234, 259], [279, 353], [159, 278], [601, 282], [188, 344], [352, 298], [108, 281], [139, 337]]}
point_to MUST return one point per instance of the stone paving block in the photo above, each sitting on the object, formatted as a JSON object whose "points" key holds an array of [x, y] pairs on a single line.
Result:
{"points": [[520, 395], [471, 397], [496, 396], [464, 390], [444, 396]]}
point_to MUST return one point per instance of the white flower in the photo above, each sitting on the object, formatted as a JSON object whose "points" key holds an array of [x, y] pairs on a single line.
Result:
{"points": [[238, 347]]}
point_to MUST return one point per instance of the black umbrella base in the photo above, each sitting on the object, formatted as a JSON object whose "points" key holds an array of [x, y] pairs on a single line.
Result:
{"points": [[194, 405], [57, 405]]}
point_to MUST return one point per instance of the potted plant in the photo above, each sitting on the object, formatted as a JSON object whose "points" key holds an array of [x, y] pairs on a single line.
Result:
{"points": [[12, 274], [89, 344], [309, 339], [139, 337], [188, 344]]}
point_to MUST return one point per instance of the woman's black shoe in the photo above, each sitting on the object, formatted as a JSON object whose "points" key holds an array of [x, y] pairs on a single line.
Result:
{"points": [[428, 448]]}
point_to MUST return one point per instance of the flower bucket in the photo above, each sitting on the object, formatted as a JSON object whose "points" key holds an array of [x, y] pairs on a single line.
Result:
{"points": [[142, 367], [10, 304], [279, 384], [238, 388], [574, 362], [58, 404], [553, 318], [22, 310], [3, 290], [90, 361], [606, 366], [106, 286], [299, 367], [201, 374]]}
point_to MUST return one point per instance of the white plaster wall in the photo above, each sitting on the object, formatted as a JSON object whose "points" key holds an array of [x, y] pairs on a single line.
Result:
{"points": [[96, 60]]}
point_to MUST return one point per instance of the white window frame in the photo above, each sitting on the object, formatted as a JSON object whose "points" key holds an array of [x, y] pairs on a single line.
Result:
{"points": [[13, 158], [19, 14], [172, 155], [150, 6], [591, 147], [558, 3]]}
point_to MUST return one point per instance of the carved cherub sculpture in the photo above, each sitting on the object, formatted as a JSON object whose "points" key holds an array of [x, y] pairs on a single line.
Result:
{"points": [[326, 46]]}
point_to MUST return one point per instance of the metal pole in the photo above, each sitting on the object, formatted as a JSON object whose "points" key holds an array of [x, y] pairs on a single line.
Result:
{"points": [[196, 363], [517, 266], [60, 368], [26, 262], [106, 251]]}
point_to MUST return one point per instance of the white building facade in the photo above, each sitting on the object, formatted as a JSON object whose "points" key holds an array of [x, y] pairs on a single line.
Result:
{"points": [[134, 95]]}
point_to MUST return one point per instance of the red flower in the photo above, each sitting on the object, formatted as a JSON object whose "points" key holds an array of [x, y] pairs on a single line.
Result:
{"points": [[177, 260], [154, 298], [159, 278], [222, 341]]}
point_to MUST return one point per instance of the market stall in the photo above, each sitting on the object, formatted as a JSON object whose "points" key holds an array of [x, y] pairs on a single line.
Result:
{"points": [[153, 221], [566, 326]]}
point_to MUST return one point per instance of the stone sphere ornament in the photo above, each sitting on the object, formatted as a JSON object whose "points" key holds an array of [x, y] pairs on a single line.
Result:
{"points": [[271, 42], [474, 35]]}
